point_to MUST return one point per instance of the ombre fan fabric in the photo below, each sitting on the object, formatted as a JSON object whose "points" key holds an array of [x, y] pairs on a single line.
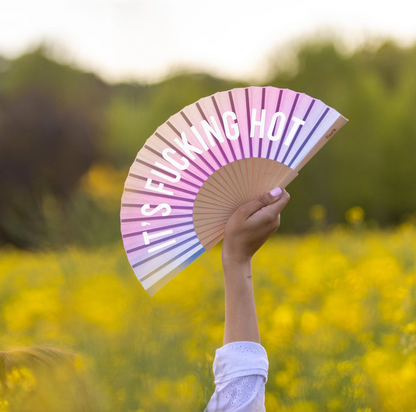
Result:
{"points": [[240, 371]]}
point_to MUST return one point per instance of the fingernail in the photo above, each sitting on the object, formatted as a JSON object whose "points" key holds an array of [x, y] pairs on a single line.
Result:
{"points": [[276, 192]]}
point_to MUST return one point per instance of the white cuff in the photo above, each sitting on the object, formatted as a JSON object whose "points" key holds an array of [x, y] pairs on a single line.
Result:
{"points": [[237, 359]]}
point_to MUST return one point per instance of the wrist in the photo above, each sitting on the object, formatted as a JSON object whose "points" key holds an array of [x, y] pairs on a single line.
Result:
{"points": [[233, 250], [237, 269], [233, 260]]}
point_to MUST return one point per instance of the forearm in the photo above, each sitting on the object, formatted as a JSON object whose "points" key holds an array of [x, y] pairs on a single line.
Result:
{"points": [[246, 231], [240, 309], [244, 371]]}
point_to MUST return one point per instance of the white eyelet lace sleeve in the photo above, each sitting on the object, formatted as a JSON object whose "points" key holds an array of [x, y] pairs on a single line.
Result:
{"points": [[240, 371]]}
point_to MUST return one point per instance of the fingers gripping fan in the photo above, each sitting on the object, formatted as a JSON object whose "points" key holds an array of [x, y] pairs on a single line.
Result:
{"points": [[206, 161]]}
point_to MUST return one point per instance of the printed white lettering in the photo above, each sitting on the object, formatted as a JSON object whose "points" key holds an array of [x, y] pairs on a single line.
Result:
{"points": [[234, 126], [298, 122], [158, 188], [147, 238], [199, 137], [259, 123], [173, 162], [158, 247], [282, 123], [186, 147], [210, 132], [146, 212], [169, 170]]}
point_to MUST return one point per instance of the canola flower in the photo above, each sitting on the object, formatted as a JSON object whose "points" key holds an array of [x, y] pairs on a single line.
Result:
{"points": [[337, 315], [355, 215]]}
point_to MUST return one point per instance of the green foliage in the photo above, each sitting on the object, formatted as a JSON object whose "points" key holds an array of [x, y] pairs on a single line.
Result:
{"points": [[369, 162], [58, 121], [50, 118], [68, 85], [135, 111]]}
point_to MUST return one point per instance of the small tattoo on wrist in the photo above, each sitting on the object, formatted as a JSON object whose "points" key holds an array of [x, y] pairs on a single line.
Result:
{"points": [[249, 277]]}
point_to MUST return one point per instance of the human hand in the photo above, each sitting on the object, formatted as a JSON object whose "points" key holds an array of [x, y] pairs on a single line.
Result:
{"points": [[251, 225]]}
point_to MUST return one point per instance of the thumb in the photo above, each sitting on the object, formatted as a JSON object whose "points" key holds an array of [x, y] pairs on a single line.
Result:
{"points": [[266, 199]]}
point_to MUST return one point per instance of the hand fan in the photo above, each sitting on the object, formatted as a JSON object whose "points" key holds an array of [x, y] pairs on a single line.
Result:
{"points": [[207, 160]]}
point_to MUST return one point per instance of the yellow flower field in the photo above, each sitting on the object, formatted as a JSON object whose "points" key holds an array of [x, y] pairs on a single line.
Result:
{"points": [[337, 315]]}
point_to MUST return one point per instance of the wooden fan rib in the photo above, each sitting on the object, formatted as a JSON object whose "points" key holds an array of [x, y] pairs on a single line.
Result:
{"points": [[202, 201], [263, 175], [223, 178], [259, 166], [210, 212], [253, 170], [216, 189], [203, 232], [209, 220], [240, 176], [205, 209], [276, 176], [220, 202], [206, 213], [202, 226], [226, 181], [210, 241], [290, 175], [208, 192], [213, 242], [208, 236], [250, 176], [244, 179], [228, 174]]}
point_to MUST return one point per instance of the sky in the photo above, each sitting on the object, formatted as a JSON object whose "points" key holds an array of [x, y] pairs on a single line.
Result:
{"points": [[146, 39]]}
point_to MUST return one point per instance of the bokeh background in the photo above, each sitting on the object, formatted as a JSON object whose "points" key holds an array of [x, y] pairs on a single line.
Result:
{"points": [[83, 84]]}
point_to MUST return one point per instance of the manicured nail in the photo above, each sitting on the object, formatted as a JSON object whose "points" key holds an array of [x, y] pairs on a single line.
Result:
{"points": [[276, 192]]}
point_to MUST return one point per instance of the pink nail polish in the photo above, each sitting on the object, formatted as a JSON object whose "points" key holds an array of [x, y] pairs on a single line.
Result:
{"points": [[276, 192]]}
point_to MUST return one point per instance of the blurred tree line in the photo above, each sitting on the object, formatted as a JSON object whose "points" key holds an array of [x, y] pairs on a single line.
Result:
{"points": [[57, 121]]}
